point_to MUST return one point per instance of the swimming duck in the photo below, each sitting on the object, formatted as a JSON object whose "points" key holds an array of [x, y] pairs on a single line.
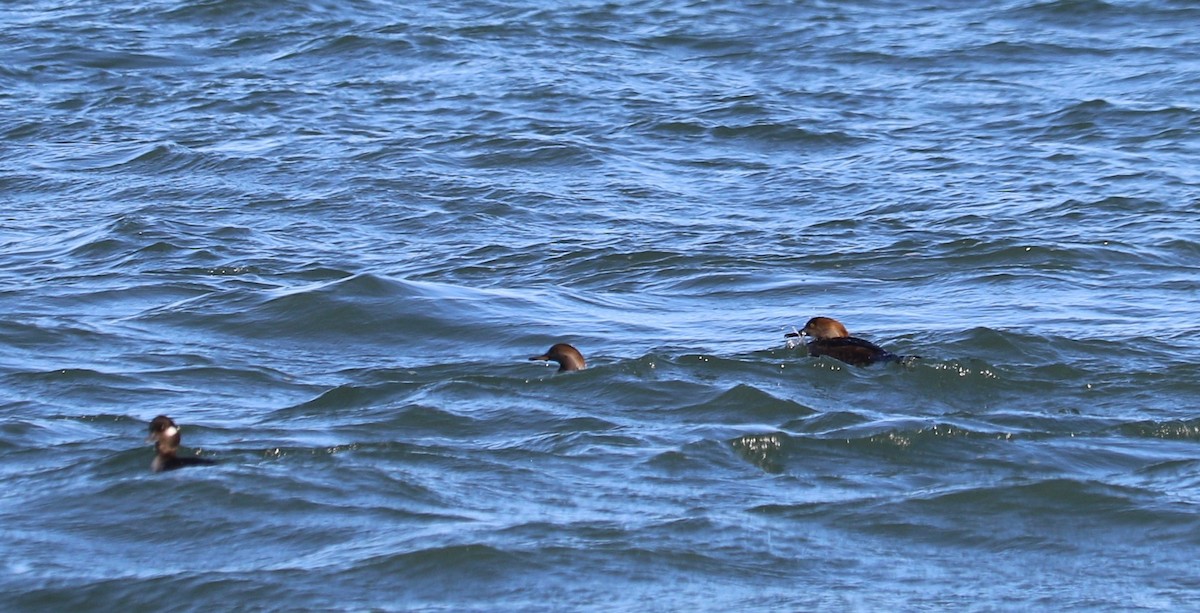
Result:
{"points": [[830, 337], [165, 436]]}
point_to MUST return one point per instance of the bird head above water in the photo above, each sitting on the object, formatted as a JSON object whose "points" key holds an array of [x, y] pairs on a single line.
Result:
{"points": [[821, 328], [164, 433], [568, 357]]}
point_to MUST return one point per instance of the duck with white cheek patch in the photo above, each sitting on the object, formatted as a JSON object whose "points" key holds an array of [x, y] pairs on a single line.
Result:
{"points": [[164, 433]]}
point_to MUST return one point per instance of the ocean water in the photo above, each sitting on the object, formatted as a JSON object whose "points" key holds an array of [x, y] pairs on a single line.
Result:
{"points": [[325, 236]]}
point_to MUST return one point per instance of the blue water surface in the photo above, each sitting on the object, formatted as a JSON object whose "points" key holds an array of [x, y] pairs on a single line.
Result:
{"points": [[325, 237]]}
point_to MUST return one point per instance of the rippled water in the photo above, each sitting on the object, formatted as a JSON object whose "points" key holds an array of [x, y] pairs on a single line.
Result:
{"points": [[325, 237]]}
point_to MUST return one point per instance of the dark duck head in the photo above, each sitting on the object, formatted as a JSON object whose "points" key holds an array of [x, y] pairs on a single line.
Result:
{"points": [[568, 357], [829, 337], [164, 433]]}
